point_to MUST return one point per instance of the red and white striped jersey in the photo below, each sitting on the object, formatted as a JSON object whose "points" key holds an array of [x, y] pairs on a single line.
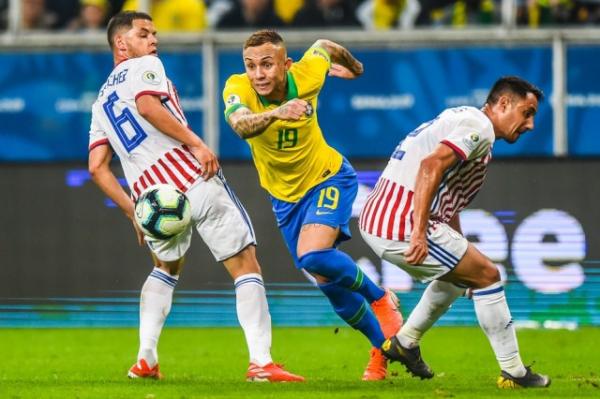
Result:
{"points": [[147, 155], [468, 131]]}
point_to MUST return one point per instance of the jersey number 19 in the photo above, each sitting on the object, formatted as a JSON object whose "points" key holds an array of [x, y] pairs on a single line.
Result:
{"points": [[288, 138]]}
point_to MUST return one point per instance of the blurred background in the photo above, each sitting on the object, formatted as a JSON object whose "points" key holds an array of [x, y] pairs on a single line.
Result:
{"points": [[69, 257]]}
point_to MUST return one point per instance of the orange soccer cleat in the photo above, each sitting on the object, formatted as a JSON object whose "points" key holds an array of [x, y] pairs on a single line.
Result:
{"points": [[387, 313], [142, 370], [270, 373], [377, 368]]}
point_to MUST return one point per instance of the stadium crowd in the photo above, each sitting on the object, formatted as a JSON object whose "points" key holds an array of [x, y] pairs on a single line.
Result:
{"points": [[199, 15]]}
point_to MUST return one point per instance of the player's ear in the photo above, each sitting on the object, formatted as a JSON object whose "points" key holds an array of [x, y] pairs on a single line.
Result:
{"points": [[504, 102], [120, 42], [288, 63]]}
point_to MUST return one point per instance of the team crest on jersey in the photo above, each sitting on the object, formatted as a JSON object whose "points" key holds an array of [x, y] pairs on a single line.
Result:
{"points": [[151, 78], [233, 99], [471, 141]]}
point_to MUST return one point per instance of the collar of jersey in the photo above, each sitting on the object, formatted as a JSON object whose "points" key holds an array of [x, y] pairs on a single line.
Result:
{"points": [[292, 92]]}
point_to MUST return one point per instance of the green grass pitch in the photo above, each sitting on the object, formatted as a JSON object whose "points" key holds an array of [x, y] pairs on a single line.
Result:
{"points": [[210, 363]]}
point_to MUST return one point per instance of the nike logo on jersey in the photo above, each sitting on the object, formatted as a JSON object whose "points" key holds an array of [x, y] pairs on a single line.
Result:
{"points": [[319, 213]]}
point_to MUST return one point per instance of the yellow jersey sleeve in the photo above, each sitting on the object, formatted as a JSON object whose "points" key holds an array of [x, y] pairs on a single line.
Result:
{"points": [[236, 94], [310, 72]]}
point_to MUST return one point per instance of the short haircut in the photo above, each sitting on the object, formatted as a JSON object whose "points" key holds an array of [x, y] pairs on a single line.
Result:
{"points": [[124, 19], [512, 85], [261, 37]]}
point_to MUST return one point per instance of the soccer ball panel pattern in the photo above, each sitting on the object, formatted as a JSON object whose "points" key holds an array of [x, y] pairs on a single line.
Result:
{"points": [[162, 211]]}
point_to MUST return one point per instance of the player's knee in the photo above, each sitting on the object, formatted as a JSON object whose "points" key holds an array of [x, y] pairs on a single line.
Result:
{"points": [[315, 262], [171, 267], [304, 249], [489, 275], [300, 252], [244, 262], [309, 261], [320, 279]]}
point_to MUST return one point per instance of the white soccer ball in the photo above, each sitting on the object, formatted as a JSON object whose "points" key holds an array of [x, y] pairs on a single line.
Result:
{"points": [[162, 211]]}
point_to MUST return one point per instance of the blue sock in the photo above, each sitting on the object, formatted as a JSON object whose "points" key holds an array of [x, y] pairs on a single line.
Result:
{"points": [[340, 268], [353, 309]]}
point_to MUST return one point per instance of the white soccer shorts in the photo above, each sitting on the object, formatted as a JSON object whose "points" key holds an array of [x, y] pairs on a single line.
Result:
{"points": [[219, 218], [446, 249]]}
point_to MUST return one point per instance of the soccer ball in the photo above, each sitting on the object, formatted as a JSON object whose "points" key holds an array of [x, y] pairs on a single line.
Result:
{"points": [[162, 211]]}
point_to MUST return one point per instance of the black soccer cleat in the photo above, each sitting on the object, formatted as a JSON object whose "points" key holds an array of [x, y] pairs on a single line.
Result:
{"points": [[410, 358], [529, 380]]}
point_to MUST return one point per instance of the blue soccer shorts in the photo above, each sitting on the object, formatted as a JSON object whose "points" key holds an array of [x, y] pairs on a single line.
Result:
{"points": [[328, 203]]}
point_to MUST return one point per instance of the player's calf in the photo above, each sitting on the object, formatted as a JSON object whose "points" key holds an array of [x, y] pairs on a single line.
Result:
{"points": [[340, 268]]}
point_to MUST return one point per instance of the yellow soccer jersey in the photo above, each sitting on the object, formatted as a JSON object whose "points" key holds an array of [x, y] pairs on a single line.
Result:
{"points": [[291, 156]]}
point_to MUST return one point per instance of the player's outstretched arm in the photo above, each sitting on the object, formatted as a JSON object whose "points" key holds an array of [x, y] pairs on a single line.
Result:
{"points": [[102, 175], [429, 177], [343, 63], [247, 124], [150, 107]]}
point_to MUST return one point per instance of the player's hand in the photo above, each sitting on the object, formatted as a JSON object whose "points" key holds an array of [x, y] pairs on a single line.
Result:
{"points": [[139, 233], [292, 110], [339, 71], [417, 250], [208, 160]]}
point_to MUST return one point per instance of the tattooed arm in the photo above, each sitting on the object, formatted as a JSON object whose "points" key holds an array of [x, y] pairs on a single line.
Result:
{"points": [[340, 56], [247, 124]]}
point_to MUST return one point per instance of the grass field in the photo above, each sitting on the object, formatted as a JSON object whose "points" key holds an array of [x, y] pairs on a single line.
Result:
{"points": [[210, 363]]}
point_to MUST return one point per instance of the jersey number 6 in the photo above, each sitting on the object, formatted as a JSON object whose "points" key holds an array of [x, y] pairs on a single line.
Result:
{"points": [[118, 122]]}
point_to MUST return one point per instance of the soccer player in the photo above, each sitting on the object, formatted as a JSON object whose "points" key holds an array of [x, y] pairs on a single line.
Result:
{"points": [[138, 116], [411, 219], [273, 107]]}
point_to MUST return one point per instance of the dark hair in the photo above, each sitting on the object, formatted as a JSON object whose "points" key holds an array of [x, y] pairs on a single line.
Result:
{"points": [[261, 37], [124, 19], [512, 85]]}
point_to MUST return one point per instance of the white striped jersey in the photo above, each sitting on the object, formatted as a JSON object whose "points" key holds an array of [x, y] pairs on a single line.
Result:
{"points": [[147, 155], [388, 209]]}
